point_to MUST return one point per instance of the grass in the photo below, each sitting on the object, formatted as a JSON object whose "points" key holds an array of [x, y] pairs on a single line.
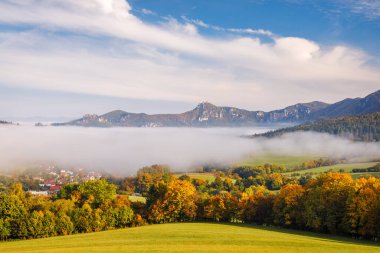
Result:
{"points": [[193, 237], [337, 167], [365, 174], [137, 199], [284, 160], [205, 176]]}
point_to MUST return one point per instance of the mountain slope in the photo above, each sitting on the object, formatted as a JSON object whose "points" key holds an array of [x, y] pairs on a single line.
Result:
{"points": [[357, 106], [209, 115], [204, 115], [359, 128]]}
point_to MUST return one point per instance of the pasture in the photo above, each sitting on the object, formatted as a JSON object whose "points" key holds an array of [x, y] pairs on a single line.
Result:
{"points": [[284, 160], [193, 237], [346, 167]]}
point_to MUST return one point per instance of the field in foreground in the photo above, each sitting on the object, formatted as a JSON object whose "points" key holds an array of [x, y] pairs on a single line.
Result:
{"points": [[193, 237]]}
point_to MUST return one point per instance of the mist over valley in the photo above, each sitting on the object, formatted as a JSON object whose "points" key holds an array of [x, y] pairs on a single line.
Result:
{"points": [[125, 150]]}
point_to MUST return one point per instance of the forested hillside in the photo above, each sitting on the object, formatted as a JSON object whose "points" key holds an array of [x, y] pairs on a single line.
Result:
{"points": [[358, 128]]}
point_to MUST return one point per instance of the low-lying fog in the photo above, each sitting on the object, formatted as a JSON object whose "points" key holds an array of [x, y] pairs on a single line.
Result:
{"points": [[124, 150]]}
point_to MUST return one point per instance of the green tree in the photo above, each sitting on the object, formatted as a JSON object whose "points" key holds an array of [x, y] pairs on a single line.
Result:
{"points": [[123, 217], [14, 214], [35, 225], [49, 224], [63, 224], [82, 219], [5, 231], [97, 192]]}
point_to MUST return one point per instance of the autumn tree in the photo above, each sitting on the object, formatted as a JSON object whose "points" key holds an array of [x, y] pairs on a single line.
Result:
{"points": [[172, 202], [274, 181], [148, 176], [287, 206], [256, 205], [325, 202], [363, 211], [221, 207], [215, 208]]}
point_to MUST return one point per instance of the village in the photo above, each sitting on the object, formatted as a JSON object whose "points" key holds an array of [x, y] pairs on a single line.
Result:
{"points": [[47, 179]]}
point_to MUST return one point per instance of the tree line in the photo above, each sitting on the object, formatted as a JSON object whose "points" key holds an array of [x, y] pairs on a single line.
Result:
{"points": [[358, 128], [89, 207], [330, 203]]}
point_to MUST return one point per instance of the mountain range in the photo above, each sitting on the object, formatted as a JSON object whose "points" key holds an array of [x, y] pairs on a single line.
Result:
{"points": [[208, 115]]}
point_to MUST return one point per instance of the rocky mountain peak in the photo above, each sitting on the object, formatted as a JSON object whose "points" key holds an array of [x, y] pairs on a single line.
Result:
{"points": [[206, 114], [205, 106]]}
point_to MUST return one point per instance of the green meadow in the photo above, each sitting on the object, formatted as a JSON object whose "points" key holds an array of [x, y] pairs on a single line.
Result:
{"points": [[205, 176], [284, 160], [193, 237], [348, 167]]}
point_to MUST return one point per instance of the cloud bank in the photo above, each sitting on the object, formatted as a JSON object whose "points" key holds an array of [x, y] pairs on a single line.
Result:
{"points": [[124, 150], [100, 47]]}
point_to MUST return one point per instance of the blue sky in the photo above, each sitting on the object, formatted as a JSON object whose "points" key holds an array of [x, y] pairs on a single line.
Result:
{"points": [[328, 22], [62, 59]]}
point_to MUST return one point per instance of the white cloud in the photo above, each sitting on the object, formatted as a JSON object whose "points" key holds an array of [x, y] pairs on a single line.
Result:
{"points": [[147, 12], [252, 31], [368, 8], [202, 24], [106, 50]]}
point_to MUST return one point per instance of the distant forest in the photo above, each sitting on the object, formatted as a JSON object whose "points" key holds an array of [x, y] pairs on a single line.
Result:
{"points": [[358, 128]]}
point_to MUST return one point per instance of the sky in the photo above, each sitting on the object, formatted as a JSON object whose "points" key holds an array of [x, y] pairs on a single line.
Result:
{"points": [[62, 59]]}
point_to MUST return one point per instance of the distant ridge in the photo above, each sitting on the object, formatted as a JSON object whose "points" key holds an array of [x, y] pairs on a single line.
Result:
{"points": [[2, 122], [206, 114], [357, 106], [357, 128]]}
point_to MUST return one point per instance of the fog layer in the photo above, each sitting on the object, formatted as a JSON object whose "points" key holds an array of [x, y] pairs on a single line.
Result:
{"points": [[124, 150]]}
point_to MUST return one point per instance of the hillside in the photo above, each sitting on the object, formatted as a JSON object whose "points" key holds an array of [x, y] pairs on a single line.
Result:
{"points": [[357, 106], [208, 115], [193, 237], [359, 128]]}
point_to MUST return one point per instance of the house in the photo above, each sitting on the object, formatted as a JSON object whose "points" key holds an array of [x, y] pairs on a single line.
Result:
{"points": [[54, 188]]}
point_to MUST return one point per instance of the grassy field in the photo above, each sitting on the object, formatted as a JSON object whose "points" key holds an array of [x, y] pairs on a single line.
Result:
{"points": [[337, 167], [365, 174], [206, 176], [193, 237], [286, 161]]}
